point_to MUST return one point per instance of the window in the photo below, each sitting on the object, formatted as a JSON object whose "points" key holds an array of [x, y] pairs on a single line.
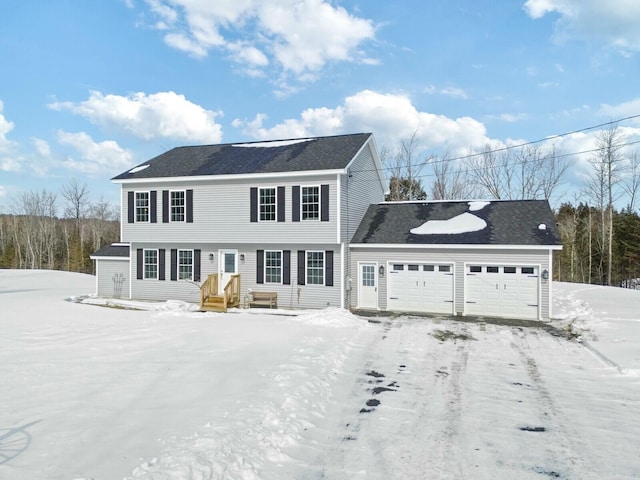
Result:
{"points": [[427, 268], [527, 270], [368, 276], [142, 206], [272, 266], [413, 268], [310, 203], [185, 264], [267, 202], [315, 268], [475, 269], [444, 268], [151, 264], [177, 206], [492, 269], [509, 269]]}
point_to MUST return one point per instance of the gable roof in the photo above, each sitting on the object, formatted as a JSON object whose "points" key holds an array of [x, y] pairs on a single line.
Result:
{"points": [[277, 156], [501, 222]]}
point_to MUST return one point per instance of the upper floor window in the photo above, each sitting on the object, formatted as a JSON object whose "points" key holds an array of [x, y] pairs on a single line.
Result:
{"points": [[272, 266], [267, 204], [315, 268], [310, 203], [185, 264], [151, 264], [142, 206], [178, 204]]}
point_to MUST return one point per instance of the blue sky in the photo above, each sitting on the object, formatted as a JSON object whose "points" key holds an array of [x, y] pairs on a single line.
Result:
{"points": [[89, 89]]}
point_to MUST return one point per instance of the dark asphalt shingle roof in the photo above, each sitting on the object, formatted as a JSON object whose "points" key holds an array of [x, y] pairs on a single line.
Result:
{"points": [[112, 251], [317, 153], [510, 222]]}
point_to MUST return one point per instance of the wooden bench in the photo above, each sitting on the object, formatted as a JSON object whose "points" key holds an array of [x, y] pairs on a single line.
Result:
{"points": [[263, 299]]}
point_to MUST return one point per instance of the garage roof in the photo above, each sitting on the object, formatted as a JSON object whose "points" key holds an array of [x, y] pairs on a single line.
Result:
{"points": [[498, 222], [113, 250]]}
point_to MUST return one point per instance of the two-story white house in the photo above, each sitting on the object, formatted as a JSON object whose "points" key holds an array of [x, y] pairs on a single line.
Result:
{"points": [[279, 214], [305, 221]]}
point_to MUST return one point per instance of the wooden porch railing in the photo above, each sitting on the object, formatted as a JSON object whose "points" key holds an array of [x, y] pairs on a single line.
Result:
{"points": [[211, 300]]}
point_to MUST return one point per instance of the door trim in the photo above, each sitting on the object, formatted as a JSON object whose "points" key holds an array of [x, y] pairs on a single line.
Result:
{"points": [[222, 275], [377, 285]]}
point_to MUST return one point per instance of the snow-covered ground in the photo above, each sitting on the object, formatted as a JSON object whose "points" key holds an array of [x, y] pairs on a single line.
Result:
{"points": [[164, 392]]}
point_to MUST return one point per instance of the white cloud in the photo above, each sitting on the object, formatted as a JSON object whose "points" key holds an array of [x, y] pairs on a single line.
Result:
{"points": [[95, 158], [150, 117], [299, 36], [42, 147], [391, 117], [450, 91], [5, 127], [622, 110], [614, 22]]}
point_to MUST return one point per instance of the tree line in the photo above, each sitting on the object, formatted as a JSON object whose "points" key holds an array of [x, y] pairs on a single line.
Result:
{"points": [[601, 243], [57, 230]]}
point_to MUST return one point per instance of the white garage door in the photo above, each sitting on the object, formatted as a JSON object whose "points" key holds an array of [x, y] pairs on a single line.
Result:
{"points": [[502, 291], [420, 287]]}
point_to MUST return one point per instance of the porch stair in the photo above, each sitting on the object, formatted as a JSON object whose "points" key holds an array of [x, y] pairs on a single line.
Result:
{"points": [[212, 301]]}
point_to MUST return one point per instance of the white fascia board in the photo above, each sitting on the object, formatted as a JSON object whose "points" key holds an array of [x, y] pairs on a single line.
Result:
{"points": [[457, 246], [242, 176]]}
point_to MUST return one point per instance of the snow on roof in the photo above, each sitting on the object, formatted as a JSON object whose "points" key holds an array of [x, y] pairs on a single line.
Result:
{"points": [[475, 206], [138, 168], [277, 143], [463, 223]]}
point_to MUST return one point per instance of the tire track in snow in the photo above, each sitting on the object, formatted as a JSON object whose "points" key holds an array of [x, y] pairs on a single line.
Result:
{"points": [[560, 447]]}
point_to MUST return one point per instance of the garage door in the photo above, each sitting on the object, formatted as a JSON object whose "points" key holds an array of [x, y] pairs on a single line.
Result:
{"points": [[420, 287], [502, 291]]}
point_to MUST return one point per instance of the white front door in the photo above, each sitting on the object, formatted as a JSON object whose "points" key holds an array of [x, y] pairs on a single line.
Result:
{"points": [[368, 286], [227, 266]]}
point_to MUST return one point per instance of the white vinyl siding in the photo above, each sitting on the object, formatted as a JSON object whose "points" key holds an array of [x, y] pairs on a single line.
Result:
{"points": [[112, 278]]}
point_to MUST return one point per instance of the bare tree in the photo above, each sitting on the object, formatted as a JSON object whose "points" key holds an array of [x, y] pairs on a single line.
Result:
{"points": [[405, 168], [631, 181], [449, 180]]}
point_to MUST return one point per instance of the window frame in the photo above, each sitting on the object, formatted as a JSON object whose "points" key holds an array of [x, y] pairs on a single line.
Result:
{"points": [[179, 264], [139, 207], [146, 264], [321, 269], [261, 205], [172, 206], [279, 268], [303, 203]]}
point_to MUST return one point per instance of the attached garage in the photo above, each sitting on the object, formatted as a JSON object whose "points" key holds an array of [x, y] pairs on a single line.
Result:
{"points": [[420, 287], [502, 291], [475, 258]]}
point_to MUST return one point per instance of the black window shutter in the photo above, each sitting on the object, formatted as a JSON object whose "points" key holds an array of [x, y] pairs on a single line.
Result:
{"points": [[295, 203], [131, 206], [260, 266], [174, 264], [140, 264], [189, 206], [280, 203], [161, 260], [324, 203], [196, 265], [254, 204], [286, 267], [153, 201], [328, 268], [301, 267], [165, 206]]}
